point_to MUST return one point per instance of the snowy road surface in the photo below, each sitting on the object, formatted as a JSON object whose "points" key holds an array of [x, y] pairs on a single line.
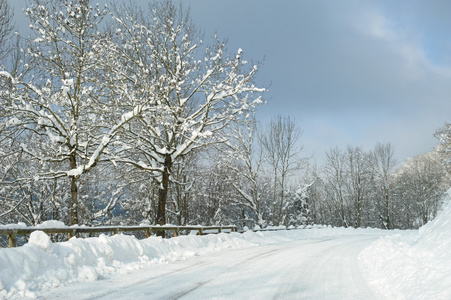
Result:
{"points": [[324, 268]]}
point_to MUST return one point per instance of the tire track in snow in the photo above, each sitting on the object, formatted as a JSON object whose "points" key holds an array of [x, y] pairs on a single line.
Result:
{"points": [[330, 272], [304, 269]]}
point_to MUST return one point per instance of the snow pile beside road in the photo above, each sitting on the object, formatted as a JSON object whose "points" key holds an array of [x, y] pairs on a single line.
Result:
{"points": [[41, 264], [413, 267]]}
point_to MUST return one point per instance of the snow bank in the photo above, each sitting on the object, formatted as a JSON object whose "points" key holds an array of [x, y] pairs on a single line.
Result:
{"points": [[41, 264], [416, 266]]}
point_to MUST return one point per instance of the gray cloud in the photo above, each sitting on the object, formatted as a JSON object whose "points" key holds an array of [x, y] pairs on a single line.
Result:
{"points": [[350, 72]]}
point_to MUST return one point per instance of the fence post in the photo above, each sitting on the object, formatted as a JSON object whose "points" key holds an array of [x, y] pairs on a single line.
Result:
{"points": [[73, 233], [200, 231], [12, 239]]}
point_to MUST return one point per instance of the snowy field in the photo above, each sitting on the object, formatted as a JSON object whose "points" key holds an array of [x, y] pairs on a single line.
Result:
{"points": [[313, 263]]}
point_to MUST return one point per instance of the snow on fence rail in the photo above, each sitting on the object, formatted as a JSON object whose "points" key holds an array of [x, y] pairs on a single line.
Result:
{"points": [[73, 231], [272, 228]]}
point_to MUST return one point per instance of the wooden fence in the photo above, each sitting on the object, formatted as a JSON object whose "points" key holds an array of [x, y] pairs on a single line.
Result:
{"points": [[73, 231]]}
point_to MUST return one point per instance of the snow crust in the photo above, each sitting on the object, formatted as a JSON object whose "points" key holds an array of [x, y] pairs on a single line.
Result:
{"points": [[414, 266]]}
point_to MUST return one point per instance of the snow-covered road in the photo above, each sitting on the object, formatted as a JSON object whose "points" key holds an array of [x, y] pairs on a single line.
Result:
{"points": [[322, 268]]}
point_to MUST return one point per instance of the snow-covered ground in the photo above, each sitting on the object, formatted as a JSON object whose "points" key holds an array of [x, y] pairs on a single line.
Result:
{"points": [[318, 268], [413, 266], [96, 267], [317, 262]]}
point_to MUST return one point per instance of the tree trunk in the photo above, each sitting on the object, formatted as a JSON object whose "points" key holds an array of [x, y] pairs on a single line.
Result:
{"points": [[73, 193], [274, 199], [282, 196], [163, 194], [74, 201], [387, 209]]}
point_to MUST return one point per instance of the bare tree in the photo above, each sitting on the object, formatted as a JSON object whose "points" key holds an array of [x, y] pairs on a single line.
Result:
{"points": [[358, 187], [6, 28], [347, 184], [383, 163], [281, 144], [335, 184]]}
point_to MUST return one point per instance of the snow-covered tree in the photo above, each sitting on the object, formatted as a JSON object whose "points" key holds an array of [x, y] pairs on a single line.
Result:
{"points": [[9, 152], [299, 211], [30, 201], [6, 28], [419, 187], [318, 208], [194, 94], [443, 134], [246, 155], [63, 100], [183, 180]]}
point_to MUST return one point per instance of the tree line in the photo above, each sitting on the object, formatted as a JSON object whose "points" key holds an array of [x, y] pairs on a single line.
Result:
{"points": [[125, 115]]}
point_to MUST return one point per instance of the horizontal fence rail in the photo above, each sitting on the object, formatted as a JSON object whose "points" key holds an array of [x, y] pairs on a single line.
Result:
{"points": [[73, 231], [269, 229]]}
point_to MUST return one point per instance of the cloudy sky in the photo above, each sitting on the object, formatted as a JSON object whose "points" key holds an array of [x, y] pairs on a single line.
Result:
{"points": [[349, 72]]}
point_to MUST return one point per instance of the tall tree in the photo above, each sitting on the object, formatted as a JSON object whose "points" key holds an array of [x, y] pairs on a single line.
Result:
{"points": [[6, 28], [335, 183], [195, 94], [383, 162], [10, 155], [63, 100], [247, 157], [358, 169], [281, 144]]}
